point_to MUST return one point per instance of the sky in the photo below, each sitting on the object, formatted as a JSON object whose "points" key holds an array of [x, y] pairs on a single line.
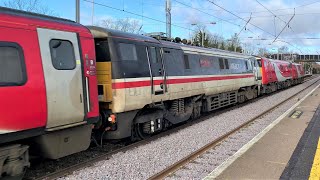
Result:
{"points": [[223, 17]]}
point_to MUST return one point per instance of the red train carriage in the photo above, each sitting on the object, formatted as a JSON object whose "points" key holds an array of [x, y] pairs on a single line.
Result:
{"points": [[278, 74], [48, 88], [300, 72]]}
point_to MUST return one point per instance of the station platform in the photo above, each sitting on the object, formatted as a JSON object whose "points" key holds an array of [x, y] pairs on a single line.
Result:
{"points": [[288, 150]]}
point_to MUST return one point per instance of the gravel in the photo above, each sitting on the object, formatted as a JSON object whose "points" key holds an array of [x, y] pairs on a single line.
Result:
{"points": [[144, 161]]}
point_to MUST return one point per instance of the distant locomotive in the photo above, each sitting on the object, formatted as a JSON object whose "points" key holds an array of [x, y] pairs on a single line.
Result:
{"points": [[279, 74], [48, 88]]}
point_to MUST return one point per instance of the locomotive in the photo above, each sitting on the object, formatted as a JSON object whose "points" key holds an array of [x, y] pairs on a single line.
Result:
{"points": [[146, 85], [279, 74], [48, 88]]}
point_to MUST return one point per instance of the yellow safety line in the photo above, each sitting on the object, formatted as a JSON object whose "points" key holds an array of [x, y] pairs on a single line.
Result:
{"points": [[315, 170]]}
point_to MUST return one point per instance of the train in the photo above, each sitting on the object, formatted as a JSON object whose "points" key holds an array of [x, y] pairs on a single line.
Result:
{"points": [[146, 85], [61, 81]]}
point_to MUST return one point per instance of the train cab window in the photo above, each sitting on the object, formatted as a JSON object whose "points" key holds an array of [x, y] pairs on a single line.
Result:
{"points": [[221, 64], [249, 66], [259, 63], [128, 52], [226, 62], [186, 62], [153, 55], [12, 66], [102, 50], [62, 54]]}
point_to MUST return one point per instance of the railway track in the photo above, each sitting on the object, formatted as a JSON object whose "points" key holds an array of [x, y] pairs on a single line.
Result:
{"points": [[180, 164], [105, 155]]}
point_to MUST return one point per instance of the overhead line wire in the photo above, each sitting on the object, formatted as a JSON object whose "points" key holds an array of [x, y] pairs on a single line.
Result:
{"points": [[207, 13], [239, 17], [129, 12]]}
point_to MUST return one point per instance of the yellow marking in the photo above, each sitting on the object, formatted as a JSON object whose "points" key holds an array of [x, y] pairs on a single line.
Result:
{"points": [[315, 170], [78, 62], [296, 114]]}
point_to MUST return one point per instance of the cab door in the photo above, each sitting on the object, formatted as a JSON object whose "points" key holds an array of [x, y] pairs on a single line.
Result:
{"points": [[157, 71], [256, 69], [60, 55]]}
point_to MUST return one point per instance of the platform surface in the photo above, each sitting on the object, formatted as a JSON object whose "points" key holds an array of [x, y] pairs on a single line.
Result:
{"points": [[287, 151]]}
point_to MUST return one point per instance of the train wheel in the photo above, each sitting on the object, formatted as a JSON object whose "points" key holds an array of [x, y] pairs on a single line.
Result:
{"points": [[141, 131]]}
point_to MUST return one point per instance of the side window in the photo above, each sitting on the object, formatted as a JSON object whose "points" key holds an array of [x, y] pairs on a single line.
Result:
{"points": [[221, 64], [246, 63], [226, 62], [62, 54], [102, 50], [12, 66], [186, 62], [153, 55], [128, 52]]}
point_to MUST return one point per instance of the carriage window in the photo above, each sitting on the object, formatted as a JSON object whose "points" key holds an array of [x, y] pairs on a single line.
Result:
{"points": [[128, 52], [12, 67], [186, 62], [153, 55], [102, 51], [221, 64], [62, 54], [226, 62]]}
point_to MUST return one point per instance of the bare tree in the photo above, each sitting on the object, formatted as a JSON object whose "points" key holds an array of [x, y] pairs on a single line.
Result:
{"points": [[215, 40], [30, 6], [283, 50], [125, 25]]}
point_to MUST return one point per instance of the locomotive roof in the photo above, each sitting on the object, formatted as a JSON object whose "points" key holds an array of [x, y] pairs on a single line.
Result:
{"points": [[212, 51], [26, 14], [99, 32]]}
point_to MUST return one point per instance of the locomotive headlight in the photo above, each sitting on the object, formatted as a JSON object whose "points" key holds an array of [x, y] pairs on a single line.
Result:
{"points": [[112, 118]]}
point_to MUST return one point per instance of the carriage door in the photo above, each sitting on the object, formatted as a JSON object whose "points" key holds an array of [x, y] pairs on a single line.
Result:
{"points": [[63, 76], [158, 79]]}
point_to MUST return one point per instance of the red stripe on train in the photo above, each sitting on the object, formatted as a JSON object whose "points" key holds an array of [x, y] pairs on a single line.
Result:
{"points": [[123, 85]]}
